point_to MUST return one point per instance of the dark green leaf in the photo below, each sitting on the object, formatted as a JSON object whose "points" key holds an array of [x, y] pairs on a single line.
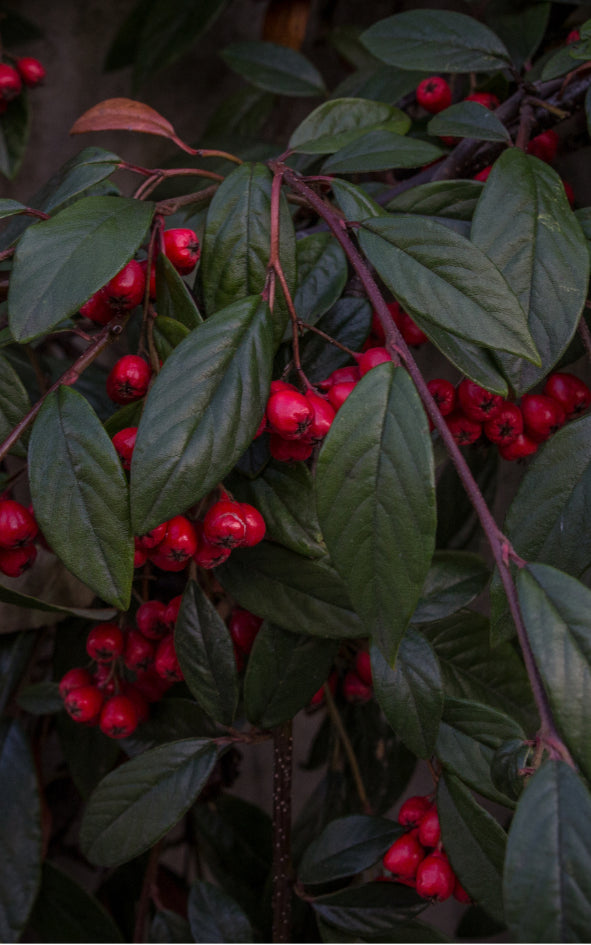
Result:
{"points": [[349, 322], [508, 764], [8, 208], [124, 47], [173, 299], [89, 754], [436, 40], [469, 120], [80, 495], [14, 404], [410, 693], [60, 263], [14, 135], [15, 652], [454, 579], [206, 654], [138, 803], [17, 28], [274, 68], [540, 250], [341, 121], [40, 698], [168, 334], [547, 881], [347, 846], [404, 932], [380, 150], [345, 39], [242, 113], [215, 917], [433, 271], [65, 912], [475, 362], [521, 25], [371, 502], [202, 412], [169, 927], [474, 843], [8, 596], [455, 199], [370, 908], [561, 62], [379, 83], [170, 719], [322, 275], [355, 203], [20, 832], [284, 671]]}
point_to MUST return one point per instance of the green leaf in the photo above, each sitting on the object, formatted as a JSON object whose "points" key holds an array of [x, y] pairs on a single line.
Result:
{"points": [[547, 881], [455, 199], [371, 502], [60, 263], [8, 596], [469, 120], [355, 203], [540, 250], [410, 693], [284, 671], [20, 832], [201, 412], [206, 654], [341, 121], [322, 275], [15, 653], [236, 245], [215, 917], [380, 150], [66, 912], [437, 41], [242, 113], [475, 362], [349, 322], [474, 843], [80, 495], [138, 803], [14, 135], [556, 610], [432, 271], [88, 754], [14, 404], [173, 299], [274, 68], [288, 589], [379, 83], [168, 926], [168, 334], [372, 907], [347, 846], [403, 932], [454, 579], [170, 719], [9, 208], [40, 698], [521, 26]]}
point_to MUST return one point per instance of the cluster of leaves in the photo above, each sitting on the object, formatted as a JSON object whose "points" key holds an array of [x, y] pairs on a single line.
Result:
{"points": [[372, 540]]}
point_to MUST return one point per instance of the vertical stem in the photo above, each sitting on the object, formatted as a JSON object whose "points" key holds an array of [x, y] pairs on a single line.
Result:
{"points": [[282, 880], [139, 932]]}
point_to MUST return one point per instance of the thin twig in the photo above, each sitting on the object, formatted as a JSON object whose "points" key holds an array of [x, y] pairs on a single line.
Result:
{"points": [[139, 931], [282, 872], [585, 334], [329, 338], [337, 721]]}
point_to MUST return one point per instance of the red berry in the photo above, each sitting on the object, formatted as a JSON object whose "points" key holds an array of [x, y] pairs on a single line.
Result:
{"points": [[570, 194], [127, 288], [433, 94], [341, 376], [104, 642], [404, 857], [139, 651], [371, 358], [140, 555], [542, 416], [411, 333], [10, 82], [84, 704], [17, 526], [97, 309], [74, 679], [224, 524], [152, 539], [444, 394], [435, 878], [119, 717], [15, 562], [172, 611], [463, 430], [521, 447], [506, 426], [544, 146], [182, 249], [484, 174], [209, 556], [429, 829], [354, 689], [244, 627], [289, 414], [151, 621], [460, 893], [129, 379], [166, 663], [290, 450], [178, 546], [413, 810], [573, 37], [572, 394], [255, 524], [484, 98], [324, 414], [124, 442], [478, 403], [31, 71], [104, 678], [363, 667], [151, 686], [139, 701], [338, 393]]}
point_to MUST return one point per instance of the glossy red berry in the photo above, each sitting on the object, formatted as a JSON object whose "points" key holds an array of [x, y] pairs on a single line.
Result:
{"points": [[354, 689], [104, 678], [140, 555], [506, 426], [152, 539], [181, 246], [151, 621], [324, 414], [289, 413], [433, 94], [210, 556], [74, 679], [338, 393], [129, 379], [10, 82], [31, 71], [464, 430], [573, 37], [84, 704], [460, 893], [255, 524], [172, 611], [476, 402], [17, 526], [177, 547], [521, 447], [572, 394], [435, 878], [244, 627], [15, 562], [371, 358], [140, 702], [97, 309], [118, 717], [104, 642], [484, 174], [542, 416], [544, 146], [404, 857], [124, 442], [363, 667], [151, 686], [127, 288], [139, 652], [570, 194], [444, 394], [484, 98], [320, 695], [413, 810], [411, 332], [341, 376], [224, 524], [429, 829], [166, 662]]}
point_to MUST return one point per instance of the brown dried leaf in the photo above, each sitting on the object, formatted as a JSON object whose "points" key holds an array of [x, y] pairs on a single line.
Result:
{"points": [[286, 22], [124, 114]]}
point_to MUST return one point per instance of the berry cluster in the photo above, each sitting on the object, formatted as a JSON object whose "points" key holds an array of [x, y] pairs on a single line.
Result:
{"points": [[417, 858], [25, 71], [131, 669], [295, 421], [18, 530]]}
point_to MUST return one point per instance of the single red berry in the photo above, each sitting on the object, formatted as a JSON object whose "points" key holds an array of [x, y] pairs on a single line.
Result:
{"points": [[17, 526], [404, 857], [460, 893], [573, 37], [224, 524], [152, 539], [178, 546], [97, 309], [151, 686], [411, 332], [129, 379], [139, 652], [413, 809], [433, 94], [15, 562], [119, 717], [478, 403], [84, 704], [151, 621], [140, 555], [371, 358], [449, 141], [262, 427], [244, 627], [444, 394], [290, 450], [429, 829], [338, 393], [280, 385], [435, 878], [166, 662], [506, 426], [152, 287], [172, 611], [341, 376], [31, 71], [570, 194], [354, 689], [127, 288], [484, 174], [104, 678], [484, 98], [182, 249], [74, 679], [10, 82], [140, 702], [542, 416], [124, 442], [464, 430], [544, 146], [209, 556], [104, 642], [319, 696], [521, 447], [289, 414], [324, 414], [572, 394], [255, 524], [363, 667]]}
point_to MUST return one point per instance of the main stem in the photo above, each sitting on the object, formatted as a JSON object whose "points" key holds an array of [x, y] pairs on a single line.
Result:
{"points": [[282, 880]]}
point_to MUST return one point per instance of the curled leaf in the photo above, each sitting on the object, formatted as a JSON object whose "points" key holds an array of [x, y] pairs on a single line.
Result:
{"points": [[124, 114]]}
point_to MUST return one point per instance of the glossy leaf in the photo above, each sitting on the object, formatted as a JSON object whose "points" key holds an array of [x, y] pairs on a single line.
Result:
{"points": [[14, 404], [284, 671], [547, 881], [202, 412], [64, 911], [475, 362], [40, 698], [403, 932], [167, 334], [205, 651], [540, 250], [125, 114], [437, 41], [89, 756], [372, 503], [410, 693], [9, 208], [288, 589], [60, 263], [474, 842], [349, 322], [347, 846], [380, 150], [20, 832], [454, 579], [215, 917], [455, 199], [242, 113], [355, 203], [432, 272], [339, 122], [9, 596], [173, 299], [521, 26], [322, 275], [14, 135], [372, 907], [469, 120], [274, 68], [138, 803], [170, 719], [15, 653]]}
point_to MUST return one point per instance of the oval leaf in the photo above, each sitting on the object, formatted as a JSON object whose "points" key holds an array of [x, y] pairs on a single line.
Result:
{"points": [[469, 120], [14, 404], [125, 114], [66, 912], [215, 917], [337, 123], [347, 846], [322, 276], [380, 150], [455, 199], [455, 578], [373, 907], [274, 68], [173, 299]]}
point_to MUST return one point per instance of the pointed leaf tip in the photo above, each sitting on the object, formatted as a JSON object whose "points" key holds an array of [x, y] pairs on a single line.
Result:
{"points": [[125, 114]]}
